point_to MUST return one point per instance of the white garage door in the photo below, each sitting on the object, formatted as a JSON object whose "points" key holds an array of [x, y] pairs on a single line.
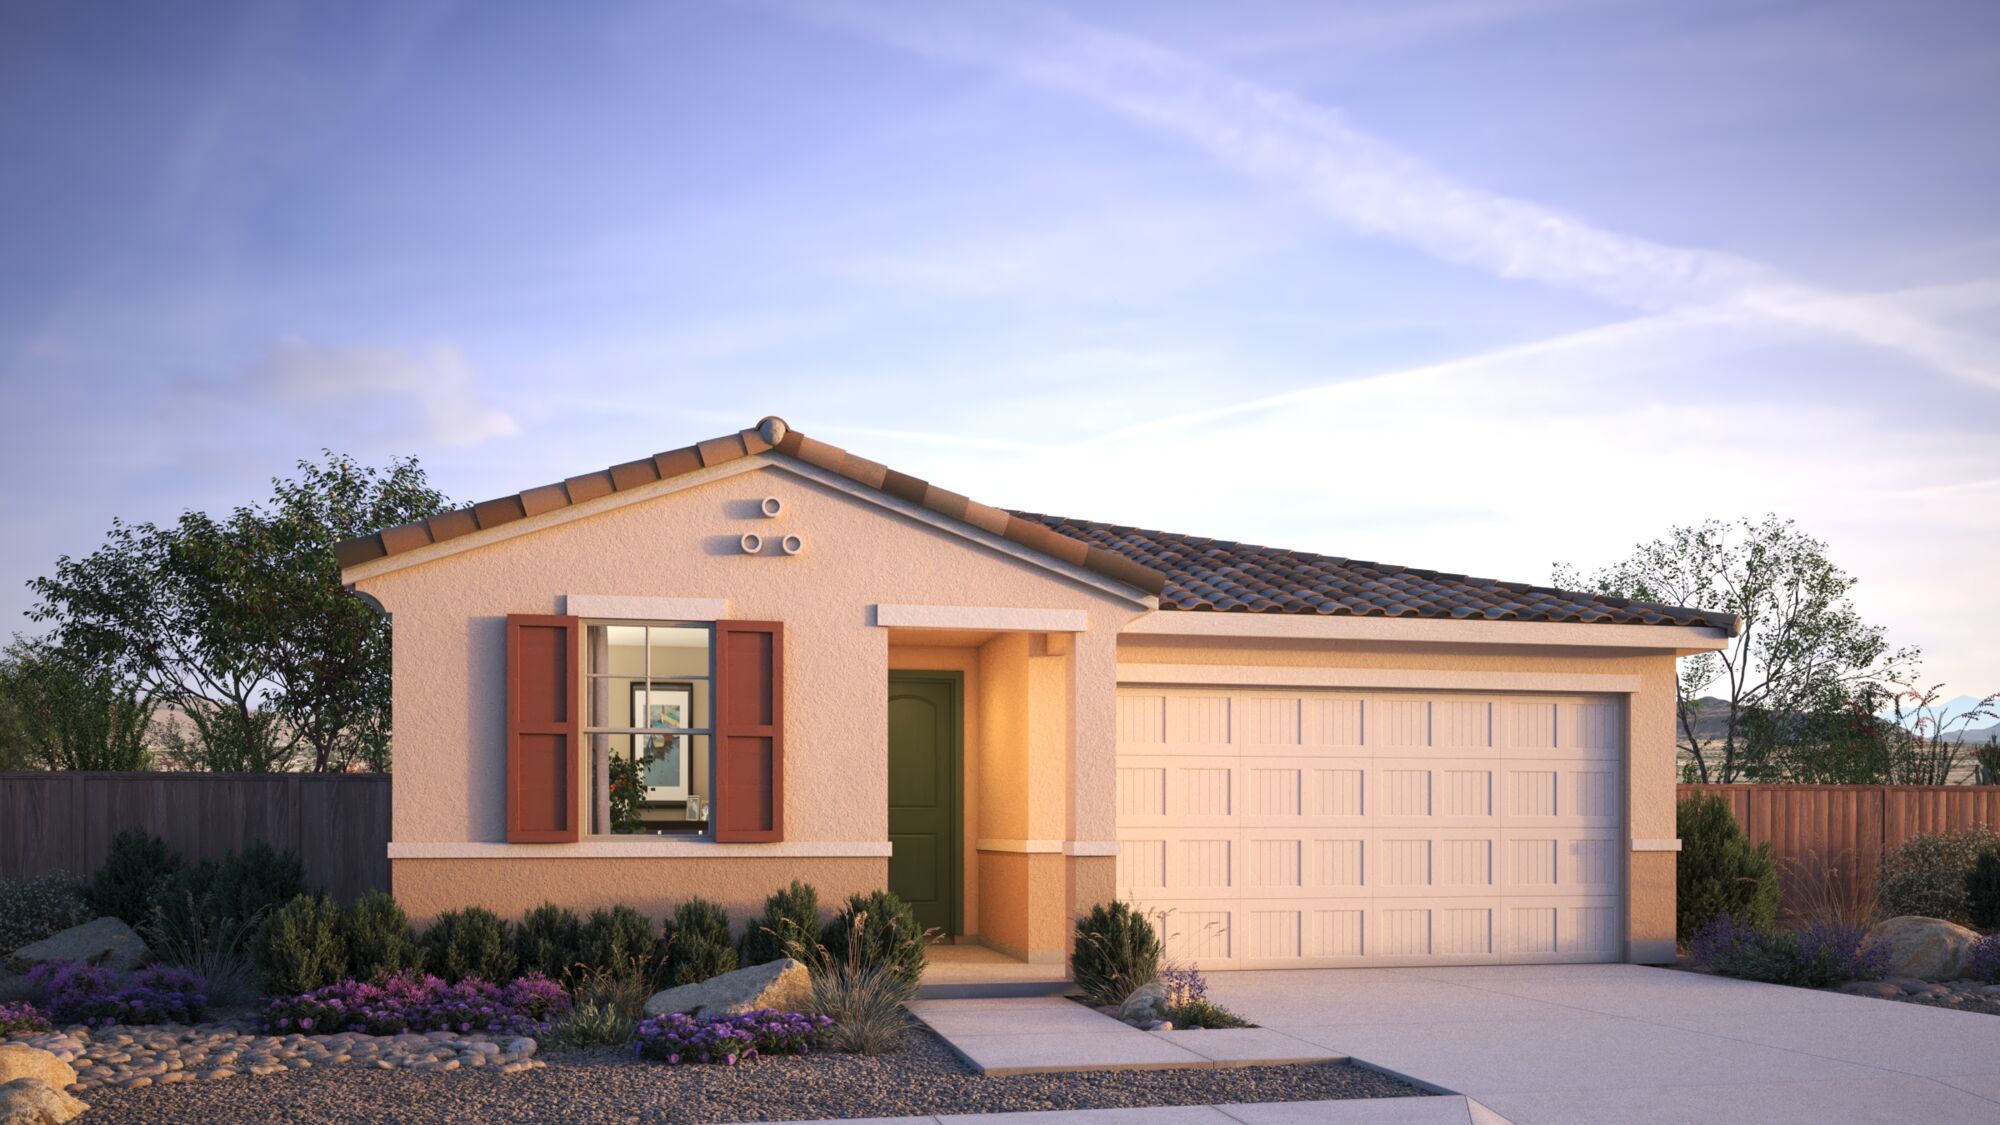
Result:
{"points": [[1302, 827]]}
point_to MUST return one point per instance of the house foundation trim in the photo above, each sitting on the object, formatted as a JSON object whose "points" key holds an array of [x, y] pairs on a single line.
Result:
{"points": [[1049, 847], [1260, 675]]}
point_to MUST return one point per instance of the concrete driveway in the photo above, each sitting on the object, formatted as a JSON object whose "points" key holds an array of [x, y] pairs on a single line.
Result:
{"points": [[1629, 1043]]}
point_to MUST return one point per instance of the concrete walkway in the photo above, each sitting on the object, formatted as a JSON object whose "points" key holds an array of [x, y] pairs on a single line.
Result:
{"points": [[1627, 1043], [1050, 1034]]}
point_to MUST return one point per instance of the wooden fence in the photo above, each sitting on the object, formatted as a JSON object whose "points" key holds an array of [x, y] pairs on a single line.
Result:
{"points": [[1849, 827], [337, 823]]}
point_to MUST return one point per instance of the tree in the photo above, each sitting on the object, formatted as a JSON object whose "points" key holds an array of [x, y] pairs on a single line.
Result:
{"points": [[1930, 748], [57, 713], [1802, 642], [241, 625], [1839, 738]]}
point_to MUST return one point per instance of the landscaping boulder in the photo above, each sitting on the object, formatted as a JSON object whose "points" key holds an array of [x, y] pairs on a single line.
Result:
{"points": [[784, 985], [18, 1060], [101, 941], [31, 1101], [1147, 1004], [1926, 948]]}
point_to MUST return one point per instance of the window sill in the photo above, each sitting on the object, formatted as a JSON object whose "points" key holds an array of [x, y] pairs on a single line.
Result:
{"points": [[644, 847]]}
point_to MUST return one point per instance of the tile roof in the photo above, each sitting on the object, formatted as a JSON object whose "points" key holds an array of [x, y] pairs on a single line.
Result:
{"points": [[1217, 575], [1187, 572]]}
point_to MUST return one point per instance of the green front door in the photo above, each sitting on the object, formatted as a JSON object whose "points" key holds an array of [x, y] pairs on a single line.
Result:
{"points": [[924, 801]]}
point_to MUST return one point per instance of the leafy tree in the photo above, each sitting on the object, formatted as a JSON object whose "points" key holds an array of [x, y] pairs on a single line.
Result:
{"points": [[1802, 644], [60, 713], [1838, 738], [240, 624]]}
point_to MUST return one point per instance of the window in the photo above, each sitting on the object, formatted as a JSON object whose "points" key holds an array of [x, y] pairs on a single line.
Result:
{"points": [[649, 727]]}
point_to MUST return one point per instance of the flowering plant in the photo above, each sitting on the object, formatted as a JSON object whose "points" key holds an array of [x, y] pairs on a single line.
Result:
{"points": [[678, 1038], [20, 1018], [420, 1002], [75, 992], [1983, 964], [1182, 986]]}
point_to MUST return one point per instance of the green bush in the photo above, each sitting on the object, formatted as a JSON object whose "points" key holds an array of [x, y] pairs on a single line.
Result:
{"points": [[549, 940], [1720, 871], [887, 931], [138, 861], [696, 943], [791, 916], [40, 905], [620, 948], [379, 939], [469, 943], [301, 947], [1926, 874], [1982, 892], [862, 995], [259, 879], [1116, 951], [593, 1023]]}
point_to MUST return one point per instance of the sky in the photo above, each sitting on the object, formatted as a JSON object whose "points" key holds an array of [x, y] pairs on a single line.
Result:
{"points": [[1480, 287]]}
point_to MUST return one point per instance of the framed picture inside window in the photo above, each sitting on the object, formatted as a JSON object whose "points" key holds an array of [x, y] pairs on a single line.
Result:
{"points": [[663, 758]]}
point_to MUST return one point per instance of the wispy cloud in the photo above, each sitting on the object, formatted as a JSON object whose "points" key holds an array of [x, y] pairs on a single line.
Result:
{"points": [[1378, 188], [397, 397]]}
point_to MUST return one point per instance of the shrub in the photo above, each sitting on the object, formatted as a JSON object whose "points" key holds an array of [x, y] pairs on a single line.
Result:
{"points": [[1818, 889], [1719, 870], [1116, 951], [863, 996], [695, 943], [619, 945], [137, 862], [380, 942], [1822, 954], [549, 940], [1187, 1002], [1982, 892], [218, 949], [244, 889], [35, 907], [1984, 962], [593, 1023], [469, 943], [20, 1018], [301, 946], [1926, 874], [729, 1040], [884, 929], [792, 914], [413, 1002], [73, 992]]}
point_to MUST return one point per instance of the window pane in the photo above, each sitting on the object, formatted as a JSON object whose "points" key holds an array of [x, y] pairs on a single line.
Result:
{"points": [[670, 704], [617, 650], [647, 784], [615, 701], [678, 650]]}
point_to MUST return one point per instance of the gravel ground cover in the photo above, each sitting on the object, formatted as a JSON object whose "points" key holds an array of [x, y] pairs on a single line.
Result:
{"points": [[1962, 995], [925, 1077], [165, 1055]]}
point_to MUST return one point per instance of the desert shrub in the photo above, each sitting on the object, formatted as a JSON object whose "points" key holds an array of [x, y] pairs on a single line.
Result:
{"points": [[18, 1017], [1926, 874], [1116, 951], [695, 943], [1816, 889], [791, 914], [379, 940], [729, 1040], [886, 931], [218, 948], [414, 1002], [39, 905], [1982, 892], [1984, 962], [301, 946], [245, 886], [1822, 954], [593, 1023], [619, 945], [549, 940], [469, 943], [1720, 871], [137, 862], [73, 992], [863, 995]]}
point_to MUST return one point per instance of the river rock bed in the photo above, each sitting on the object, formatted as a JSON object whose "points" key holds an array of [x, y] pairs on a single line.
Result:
{"points": [[119, 1057]]}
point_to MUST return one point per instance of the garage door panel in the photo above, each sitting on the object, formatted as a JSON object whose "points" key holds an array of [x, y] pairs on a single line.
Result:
{"points": [[1311, 828]]}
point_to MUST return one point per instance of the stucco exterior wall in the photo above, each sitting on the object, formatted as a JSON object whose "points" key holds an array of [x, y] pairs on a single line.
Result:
{"points": [[449, 642], [1650, 752]]}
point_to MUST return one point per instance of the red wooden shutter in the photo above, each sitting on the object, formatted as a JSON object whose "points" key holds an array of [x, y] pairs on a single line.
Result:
{"points": [[749, 731], [544, 728]]}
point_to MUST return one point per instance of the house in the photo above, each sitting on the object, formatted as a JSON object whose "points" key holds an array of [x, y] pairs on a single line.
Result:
{"points": [[762, 657]]}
